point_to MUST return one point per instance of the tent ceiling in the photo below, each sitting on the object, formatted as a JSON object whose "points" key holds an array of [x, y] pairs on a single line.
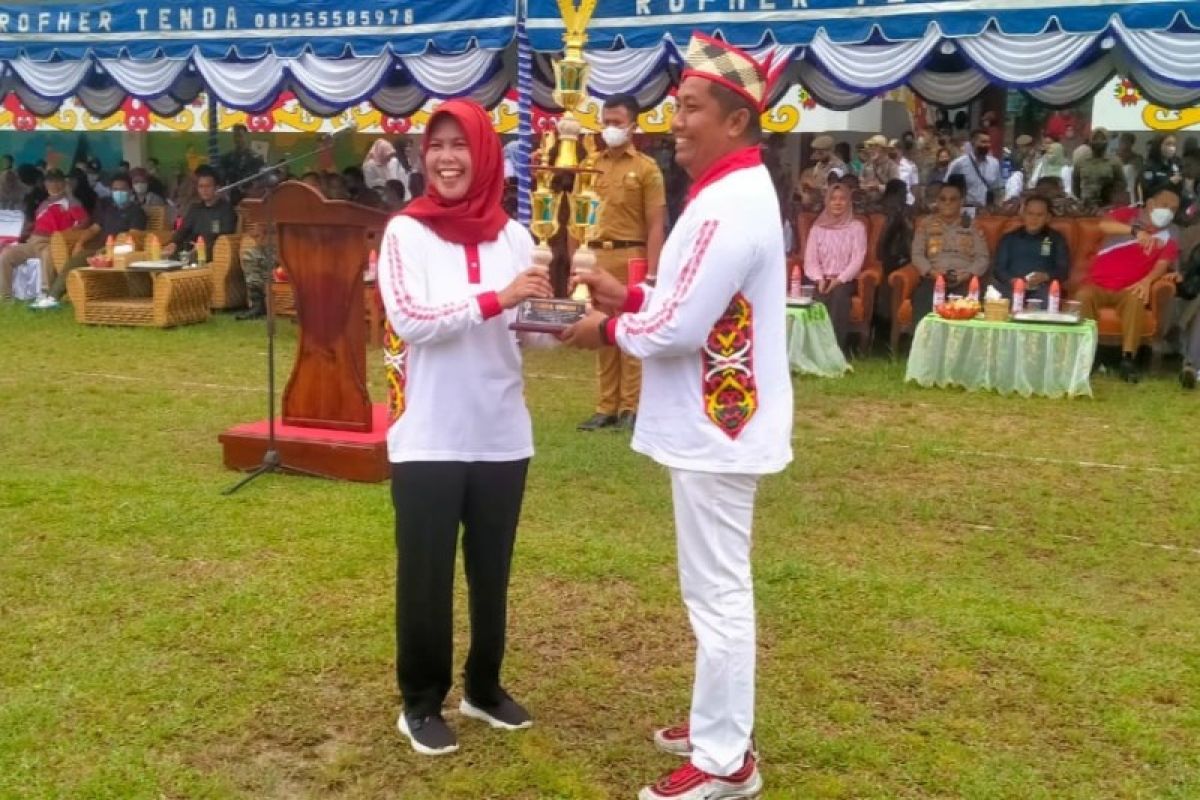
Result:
{"points": [[947, 50]]}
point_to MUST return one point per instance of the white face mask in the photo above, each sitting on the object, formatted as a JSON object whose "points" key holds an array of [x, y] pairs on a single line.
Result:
{"points": [[614, 136], [1161, 217]]}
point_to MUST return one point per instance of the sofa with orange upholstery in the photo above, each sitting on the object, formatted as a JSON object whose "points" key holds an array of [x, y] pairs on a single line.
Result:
{"points": [[1084, 240], [862, 305]]}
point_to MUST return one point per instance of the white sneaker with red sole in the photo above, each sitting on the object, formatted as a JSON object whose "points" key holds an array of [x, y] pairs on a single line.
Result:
{"points": [[691, 783], [677, 741]]}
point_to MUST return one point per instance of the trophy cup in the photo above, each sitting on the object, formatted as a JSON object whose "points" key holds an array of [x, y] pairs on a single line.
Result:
{"points": [[570, 78]]}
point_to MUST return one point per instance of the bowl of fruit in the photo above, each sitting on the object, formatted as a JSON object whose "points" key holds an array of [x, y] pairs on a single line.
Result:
{"points": [[962, 308]]}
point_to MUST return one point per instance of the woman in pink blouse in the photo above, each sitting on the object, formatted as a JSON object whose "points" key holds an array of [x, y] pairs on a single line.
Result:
{"points": [[833, 257]]}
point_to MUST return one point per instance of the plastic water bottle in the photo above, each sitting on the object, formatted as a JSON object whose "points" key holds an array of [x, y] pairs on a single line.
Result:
{"points": [[155, 247], [372, 267], [795, 283], [201, 251], [973, 289], [1018, 296], [109, 244], [939, 291], [1055, 303]]}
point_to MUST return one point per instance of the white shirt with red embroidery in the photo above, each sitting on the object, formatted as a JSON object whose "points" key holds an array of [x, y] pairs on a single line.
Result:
{"points": [[716, 390], [456, 391]]}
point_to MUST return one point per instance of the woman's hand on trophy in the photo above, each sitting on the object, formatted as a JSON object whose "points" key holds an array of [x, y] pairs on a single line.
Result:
{"points": [[532, 283], [608, 293]]}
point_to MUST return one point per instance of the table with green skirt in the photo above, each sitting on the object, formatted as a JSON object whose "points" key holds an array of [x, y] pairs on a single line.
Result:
{"points": [[1007, 357], [812, 345]]}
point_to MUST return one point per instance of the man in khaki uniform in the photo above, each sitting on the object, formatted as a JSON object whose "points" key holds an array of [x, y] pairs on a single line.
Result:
{"points": [[877, 169], [632, 225], [946, 244], [826, 167], [1097, 169]]}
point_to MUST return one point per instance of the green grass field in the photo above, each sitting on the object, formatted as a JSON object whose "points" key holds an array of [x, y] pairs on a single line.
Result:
{"points": [[959, 595]]}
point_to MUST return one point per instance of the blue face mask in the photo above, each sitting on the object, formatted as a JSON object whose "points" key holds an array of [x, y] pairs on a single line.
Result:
{"points": [[120, 196]]}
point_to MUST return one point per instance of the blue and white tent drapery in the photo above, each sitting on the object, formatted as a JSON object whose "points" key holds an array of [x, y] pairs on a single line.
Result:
{"points": [[394, 53], [849, 51]]}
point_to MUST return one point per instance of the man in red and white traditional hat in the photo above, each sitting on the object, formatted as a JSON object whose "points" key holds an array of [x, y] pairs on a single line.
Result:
{"points": [[716, 404]]}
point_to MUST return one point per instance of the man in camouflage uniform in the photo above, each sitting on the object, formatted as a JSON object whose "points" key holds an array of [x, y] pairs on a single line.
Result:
{"points": [[239, 163], [944, 245], [1095, 170], [258, 258]]}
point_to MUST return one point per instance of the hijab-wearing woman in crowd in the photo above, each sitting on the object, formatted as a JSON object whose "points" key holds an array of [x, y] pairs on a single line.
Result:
{"points": [[381, 165], [833, 257], [452, 268], [1053, 164]]}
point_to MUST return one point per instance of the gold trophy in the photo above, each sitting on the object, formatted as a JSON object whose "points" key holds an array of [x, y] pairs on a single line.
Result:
{"points": [[570, 78]]}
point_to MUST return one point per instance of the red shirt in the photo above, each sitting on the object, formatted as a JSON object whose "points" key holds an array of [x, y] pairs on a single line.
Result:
{"points": [[58, 215], [1124, 263]]}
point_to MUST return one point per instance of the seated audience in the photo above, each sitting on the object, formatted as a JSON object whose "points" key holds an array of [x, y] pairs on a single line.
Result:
{"points": [[211, 216], [946, 244], [79, 188], [312, 179], [116, 214], [833, 257], [1140, 249], [395, 196], [57, 212], [1035, 253]]}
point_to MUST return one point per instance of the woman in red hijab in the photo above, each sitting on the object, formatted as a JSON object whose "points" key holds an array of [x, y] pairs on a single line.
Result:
{"points": [[452, 267]]}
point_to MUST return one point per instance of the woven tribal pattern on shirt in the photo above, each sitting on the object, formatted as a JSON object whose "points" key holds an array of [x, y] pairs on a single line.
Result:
{"points": [[727, 358], [395, 362]]}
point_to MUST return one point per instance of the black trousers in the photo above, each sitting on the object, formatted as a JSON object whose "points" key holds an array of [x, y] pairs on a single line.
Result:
{"points": [[432, 499]]}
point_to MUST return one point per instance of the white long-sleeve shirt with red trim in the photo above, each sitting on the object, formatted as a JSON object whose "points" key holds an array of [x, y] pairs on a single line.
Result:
{"points": [[716, 390], [459, 367]]}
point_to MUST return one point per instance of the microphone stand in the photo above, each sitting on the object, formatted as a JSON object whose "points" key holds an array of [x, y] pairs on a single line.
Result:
{"points": [[271, 462]]}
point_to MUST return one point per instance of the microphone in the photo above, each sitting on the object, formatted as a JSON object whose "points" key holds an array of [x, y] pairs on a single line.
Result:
{"points": [[345, 130]]}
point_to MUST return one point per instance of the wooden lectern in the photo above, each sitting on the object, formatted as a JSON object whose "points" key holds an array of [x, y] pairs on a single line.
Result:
{"points": [[329, 425]]}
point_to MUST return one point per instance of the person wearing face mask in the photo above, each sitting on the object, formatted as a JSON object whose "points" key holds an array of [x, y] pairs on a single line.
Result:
{"points": [[143, 191], [826, 167], [116, 214], [1094, 170], [632, 225], [1141, 247], [980, 169], [57, 212], [941, 166], [1162, 165]]}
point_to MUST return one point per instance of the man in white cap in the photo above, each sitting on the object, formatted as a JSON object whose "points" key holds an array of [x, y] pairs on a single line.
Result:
{"points": [[877, 169], [716, 405], [826, 167]]}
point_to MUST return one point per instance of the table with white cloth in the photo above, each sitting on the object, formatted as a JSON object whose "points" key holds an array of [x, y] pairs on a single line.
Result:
{"points": [[1006, 357], [812, 345]]}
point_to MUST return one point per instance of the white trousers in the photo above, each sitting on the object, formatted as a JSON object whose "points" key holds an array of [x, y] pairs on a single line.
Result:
{"points": [[713, 516]]}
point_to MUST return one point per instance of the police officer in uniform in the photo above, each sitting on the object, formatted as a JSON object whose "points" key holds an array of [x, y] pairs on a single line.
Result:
{"points": [[632, 225], [948, 244]]}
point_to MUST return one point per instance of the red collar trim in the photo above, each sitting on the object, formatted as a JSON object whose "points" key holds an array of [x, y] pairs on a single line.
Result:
{"points": [[745, 158]]}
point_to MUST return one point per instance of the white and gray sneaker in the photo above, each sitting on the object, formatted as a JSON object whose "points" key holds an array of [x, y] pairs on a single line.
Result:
{"points": [[691, 783], [429, 735], [506, 714], [43, 302]]}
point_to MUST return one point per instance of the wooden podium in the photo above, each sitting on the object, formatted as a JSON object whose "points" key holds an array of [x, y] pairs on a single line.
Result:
{"points": [[329, 426]]}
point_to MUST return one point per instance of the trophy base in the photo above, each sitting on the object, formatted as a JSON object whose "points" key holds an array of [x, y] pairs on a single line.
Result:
{"points": [[548, 316]]}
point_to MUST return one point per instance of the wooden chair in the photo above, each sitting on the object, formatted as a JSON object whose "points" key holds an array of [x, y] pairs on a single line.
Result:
{"points": [[229, 284], [61, 245]]}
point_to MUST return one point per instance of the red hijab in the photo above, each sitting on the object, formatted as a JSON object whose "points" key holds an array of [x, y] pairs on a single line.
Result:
{"points": [[477, 216]]}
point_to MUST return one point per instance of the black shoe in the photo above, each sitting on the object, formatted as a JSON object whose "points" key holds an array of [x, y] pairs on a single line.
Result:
{"points": [[625, 421], [258, 306], [507, 714], [1187, 377], [430, 735], [596, 422], [1129, 371]]}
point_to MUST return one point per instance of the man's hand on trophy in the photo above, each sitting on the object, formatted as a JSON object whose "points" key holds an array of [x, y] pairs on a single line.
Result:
{"points": [[586, 334], [608, 293], [532, 283]]}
